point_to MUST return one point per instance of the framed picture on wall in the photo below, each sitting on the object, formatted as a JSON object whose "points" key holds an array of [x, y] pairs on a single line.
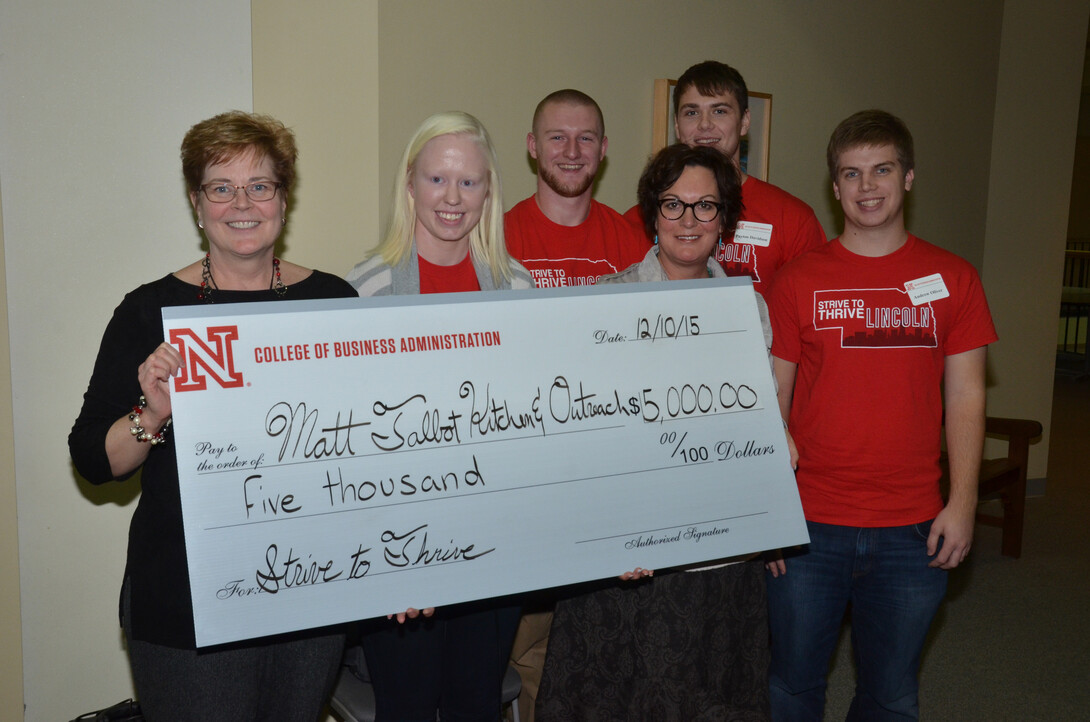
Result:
{"points": [[756, 145]]}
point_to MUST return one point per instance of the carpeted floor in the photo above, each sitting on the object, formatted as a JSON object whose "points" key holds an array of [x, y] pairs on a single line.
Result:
{"points": [[1012, 641]]}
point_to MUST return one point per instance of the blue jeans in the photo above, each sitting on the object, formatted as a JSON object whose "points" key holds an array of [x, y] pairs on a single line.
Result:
{"points": [[894, 595]]}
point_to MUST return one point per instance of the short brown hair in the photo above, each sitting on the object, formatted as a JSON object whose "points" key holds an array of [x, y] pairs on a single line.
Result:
{"points": [[713, 78], [666, 167], [571, 97], [869, 128], [232, 134]]}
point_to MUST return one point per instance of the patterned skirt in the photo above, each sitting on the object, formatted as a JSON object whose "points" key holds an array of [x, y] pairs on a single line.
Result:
{"points": [[680, 645]]}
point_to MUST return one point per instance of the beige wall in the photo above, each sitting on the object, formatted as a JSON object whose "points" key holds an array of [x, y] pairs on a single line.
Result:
{"points": [[1028, 203], [96, 99], [11, 638], [318, 72], [104, 95]]}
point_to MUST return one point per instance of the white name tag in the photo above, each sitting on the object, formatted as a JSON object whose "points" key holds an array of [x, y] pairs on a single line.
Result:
{"points": [[927, 289], [755, 234]]}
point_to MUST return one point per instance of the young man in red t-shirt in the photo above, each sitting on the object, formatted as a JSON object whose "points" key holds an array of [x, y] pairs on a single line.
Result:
{"points": [[711, 107], [875, 333], [561, 234], [564, 238]]}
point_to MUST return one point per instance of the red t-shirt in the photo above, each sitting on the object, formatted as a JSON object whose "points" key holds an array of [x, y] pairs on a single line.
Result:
{"points": [[559, 255], [774, 227], [867, 406], [448, 279]]}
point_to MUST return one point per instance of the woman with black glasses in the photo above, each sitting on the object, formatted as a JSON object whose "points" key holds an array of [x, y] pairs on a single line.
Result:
{"points": [[683, 644]]}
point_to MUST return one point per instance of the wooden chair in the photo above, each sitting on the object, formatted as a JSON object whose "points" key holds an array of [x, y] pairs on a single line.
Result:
{"points": [[1006, 476]]}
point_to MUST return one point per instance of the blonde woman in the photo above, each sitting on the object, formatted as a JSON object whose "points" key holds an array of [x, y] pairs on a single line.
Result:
{"points": [[446, 232], [446, 235]]}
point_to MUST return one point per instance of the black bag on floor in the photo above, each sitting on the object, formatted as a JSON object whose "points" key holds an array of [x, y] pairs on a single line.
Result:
{"points": [[127, 711]]}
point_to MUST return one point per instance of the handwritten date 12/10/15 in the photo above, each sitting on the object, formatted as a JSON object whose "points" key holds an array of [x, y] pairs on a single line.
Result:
{"points": [[667, 327], [648, 329]]}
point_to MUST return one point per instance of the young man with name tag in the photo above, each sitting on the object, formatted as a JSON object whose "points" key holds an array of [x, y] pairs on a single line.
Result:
{"points": [[875, 335], [711, 108]]}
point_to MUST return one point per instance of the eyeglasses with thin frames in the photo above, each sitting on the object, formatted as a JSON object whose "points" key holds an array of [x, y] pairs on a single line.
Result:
{"points": [[257, 191]]}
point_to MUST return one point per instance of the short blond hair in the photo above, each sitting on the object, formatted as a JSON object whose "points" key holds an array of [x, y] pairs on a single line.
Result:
{"points": [[568, 96]]}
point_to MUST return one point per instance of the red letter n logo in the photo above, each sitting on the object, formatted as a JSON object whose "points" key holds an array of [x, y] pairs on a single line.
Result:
{"points": [[217, 361]]}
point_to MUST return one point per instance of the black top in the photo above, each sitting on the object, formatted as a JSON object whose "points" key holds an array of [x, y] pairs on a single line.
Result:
{"points": [[156, 569]]}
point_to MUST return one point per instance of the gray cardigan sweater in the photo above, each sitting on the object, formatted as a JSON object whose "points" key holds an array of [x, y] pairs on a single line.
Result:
{"points": [[374, 277]]}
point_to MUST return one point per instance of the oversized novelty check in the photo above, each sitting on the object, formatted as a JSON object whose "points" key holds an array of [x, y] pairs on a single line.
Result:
{"points": [[346, 459]]}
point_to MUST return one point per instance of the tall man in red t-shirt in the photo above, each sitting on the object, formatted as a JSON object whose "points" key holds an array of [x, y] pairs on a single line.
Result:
{"points": [[874, 334], [561, 234], [711, 107]]}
